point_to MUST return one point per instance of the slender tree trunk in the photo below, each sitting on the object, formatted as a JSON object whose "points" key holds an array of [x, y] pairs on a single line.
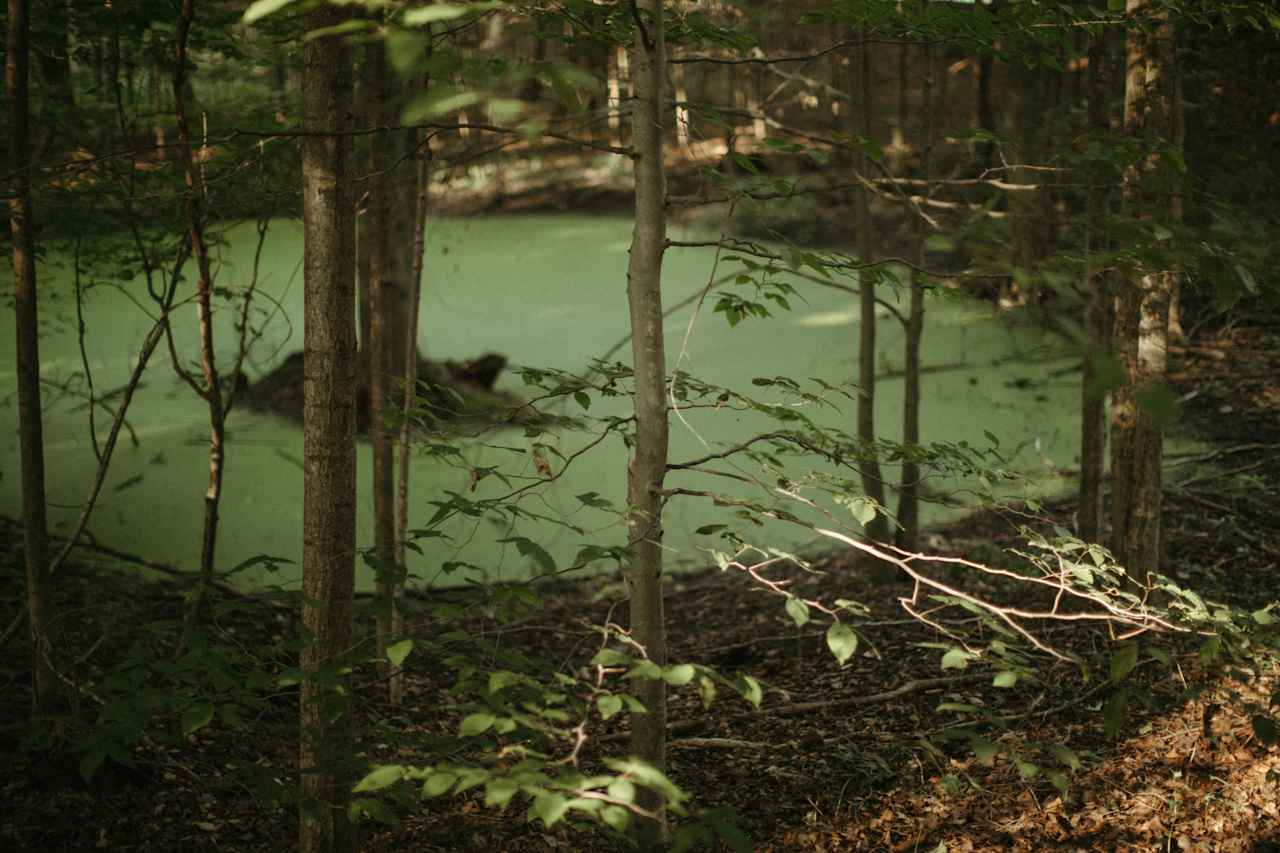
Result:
{"points": [[210, 389], [377, 227], [859, 117], [1142, 303], [363, 295], [1097, 315], [648, 464], [1025, 127], [403, 201], [329, 506], [909, 492], [35, 542], [986, 112], [1179, 122], [898, 160], [54, 68], [410, 387]]}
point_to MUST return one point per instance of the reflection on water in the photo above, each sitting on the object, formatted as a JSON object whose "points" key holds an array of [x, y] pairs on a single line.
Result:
{"points": [[547, 292]]}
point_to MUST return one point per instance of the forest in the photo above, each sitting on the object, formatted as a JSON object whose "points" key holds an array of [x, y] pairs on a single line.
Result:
{"points": [[601, 425]]}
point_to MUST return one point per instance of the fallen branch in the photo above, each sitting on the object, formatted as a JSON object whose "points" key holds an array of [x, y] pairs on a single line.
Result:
{"points": [[715, 743]]}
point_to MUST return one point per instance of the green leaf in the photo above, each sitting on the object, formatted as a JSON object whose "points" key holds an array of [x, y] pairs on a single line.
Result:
{"points": [[1026, 769], [1227, 293], [475, 724], [423, 15], [1065, 757], [1246, 278], [1210, 650], [1123, 660], [261, 8], [750, 690], [1108, 375], [622, 790], [863, 509], [956, 659], [498, 792], [1114, 712], [381, 777], [528, 548], [1160, 403], [1263, 616], [406, 49], [984, 750], [679, 675], [798, 611], [648, 776], [583, 399], [196, 717], [1005, 679], [502, 679], [842, 641], [438, 783], [608, 705], [706, 691], [616, 818], [1058, 780], [645, 669], [375, 809], [611, 657], [397, 652], [355, 25]]}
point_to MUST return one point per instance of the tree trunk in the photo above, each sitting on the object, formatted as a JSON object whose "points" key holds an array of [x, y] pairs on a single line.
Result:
{"points": [[648, 464], [1097, 315], [1142, 303], [377, 227], [859, 119], [35, 543], [410, 357], [60, 120], [909, 491], [210, 388], [329, 506], [403, 201]]}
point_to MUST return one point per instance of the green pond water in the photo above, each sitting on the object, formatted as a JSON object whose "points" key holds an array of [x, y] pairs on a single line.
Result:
{"points": [[547, 291]]}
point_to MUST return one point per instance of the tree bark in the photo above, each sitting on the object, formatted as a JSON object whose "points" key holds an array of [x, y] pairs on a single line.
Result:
{"points": [[859, 114], [329, 506], [909, 491], [210, 388], [1097, 314], [410, 357], [1142, 303], [377, 226], [648, 463], [59, 120], [35, 542]]}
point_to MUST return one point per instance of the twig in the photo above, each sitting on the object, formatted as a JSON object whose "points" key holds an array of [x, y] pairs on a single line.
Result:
{"points": [[912, 686], [715, 743]]}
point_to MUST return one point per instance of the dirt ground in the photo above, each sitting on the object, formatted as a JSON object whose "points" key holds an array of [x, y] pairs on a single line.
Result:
{"points": [[823, 764]]}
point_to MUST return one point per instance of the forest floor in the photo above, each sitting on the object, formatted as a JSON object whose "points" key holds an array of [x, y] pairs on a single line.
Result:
{"points": [[835, 758]]}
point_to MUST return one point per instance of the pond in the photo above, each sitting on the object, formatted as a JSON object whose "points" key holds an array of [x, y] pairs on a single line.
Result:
{"points": [[546, 291]]}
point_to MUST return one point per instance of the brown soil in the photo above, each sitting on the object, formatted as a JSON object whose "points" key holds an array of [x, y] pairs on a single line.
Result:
{"points": [[1186, 773]]}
